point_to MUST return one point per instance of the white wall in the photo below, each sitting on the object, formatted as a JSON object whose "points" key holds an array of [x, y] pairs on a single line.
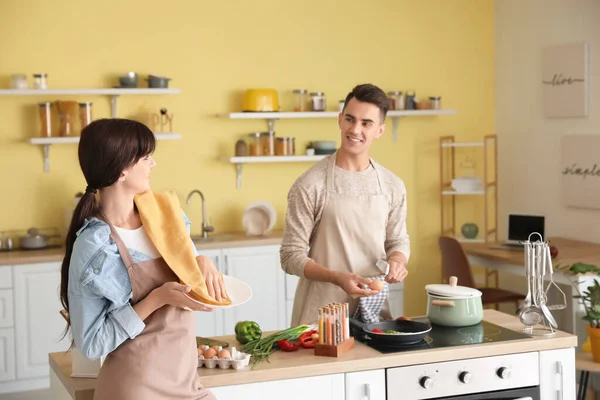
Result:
{"points": [[529, 143]]}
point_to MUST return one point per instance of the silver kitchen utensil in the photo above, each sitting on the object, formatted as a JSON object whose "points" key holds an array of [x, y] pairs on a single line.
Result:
{"points": [[550, 272], [535, 314]]}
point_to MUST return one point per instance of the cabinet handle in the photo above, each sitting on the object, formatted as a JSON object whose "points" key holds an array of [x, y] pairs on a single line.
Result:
{"points": [[226, 265], [559, 370], [368, 391], [217, 263]]}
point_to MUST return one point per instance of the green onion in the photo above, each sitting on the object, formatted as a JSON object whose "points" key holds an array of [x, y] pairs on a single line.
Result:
{"points": [[261, 349]]}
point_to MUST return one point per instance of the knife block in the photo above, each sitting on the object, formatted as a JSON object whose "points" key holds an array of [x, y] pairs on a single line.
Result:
{"points": [[337, 350]]}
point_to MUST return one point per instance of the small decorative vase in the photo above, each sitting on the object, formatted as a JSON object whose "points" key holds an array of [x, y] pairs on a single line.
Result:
{"points": [[469, 230]]}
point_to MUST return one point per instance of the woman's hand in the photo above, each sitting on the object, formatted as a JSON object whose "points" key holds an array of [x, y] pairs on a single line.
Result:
{"points": [[213, 278], [172, 293]]}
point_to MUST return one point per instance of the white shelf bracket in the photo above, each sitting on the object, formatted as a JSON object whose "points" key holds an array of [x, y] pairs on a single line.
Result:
{"points": [[395, 122], [238, 170], [113, 105], [46, 158]]}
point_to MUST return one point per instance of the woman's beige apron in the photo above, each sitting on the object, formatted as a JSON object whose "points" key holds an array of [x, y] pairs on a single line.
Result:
{"points": [[161, 362], [350, 238]]}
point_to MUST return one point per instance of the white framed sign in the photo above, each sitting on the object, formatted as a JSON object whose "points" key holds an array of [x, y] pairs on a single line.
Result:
{"points": [[580, 171], [565, 80]]}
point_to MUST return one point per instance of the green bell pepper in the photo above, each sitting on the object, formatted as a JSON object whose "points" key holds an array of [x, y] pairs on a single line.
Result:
{"points": [[246, 331]]}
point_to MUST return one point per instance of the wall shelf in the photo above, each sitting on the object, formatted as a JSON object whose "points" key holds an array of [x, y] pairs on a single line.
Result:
{"points": [[451, 192], [48, 141], [114, 93], [240, 161], [271, 117]]}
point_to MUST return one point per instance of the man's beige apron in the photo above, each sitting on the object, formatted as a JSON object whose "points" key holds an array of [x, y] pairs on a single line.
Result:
{"points": [[350, 238], [161, 362]]}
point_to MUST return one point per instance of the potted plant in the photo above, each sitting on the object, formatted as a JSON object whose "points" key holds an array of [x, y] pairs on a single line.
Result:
{"points": [[590, 299]]}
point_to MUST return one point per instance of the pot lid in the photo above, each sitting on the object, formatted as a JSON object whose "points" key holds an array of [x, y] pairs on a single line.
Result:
{"points": [[452, 289]]}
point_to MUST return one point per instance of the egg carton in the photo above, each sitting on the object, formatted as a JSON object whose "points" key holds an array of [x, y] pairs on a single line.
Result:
{"points": [[238, 360]]}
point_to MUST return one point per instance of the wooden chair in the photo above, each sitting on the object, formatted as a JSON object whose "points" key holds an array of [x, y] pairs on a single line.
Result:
{"points": [[455, 263]]}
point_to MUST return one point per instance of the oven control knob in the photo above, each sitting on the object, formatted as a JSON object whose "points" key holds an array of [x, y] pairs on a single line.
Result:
{"points": [[464, 377], [503, 372], [426, 382]]}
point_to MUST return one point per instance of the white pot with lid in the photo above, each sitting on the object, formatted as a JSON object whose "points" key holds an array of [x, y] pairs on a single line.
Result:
{"points": [[453, 305]]}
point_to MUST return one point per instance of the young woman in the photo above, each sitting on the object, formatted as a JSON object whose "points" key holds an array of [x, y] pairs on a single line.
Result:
{"points": [[124, 301]]}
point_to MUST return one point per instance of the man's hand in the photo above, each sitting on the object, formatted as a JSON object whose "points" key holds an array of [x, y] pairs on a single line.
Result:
{"points": [[398, 269], [212, 277], [354, 285]]}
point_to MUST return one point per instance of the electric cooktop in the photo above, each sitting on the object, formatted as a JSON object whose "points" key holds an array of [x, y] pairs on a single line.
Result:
{"points": [[443, 336]]}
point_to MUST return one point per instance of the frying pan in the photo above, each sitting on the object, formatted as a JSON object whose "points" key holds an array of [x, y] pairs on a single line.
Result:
{"points": [[410, 332]]}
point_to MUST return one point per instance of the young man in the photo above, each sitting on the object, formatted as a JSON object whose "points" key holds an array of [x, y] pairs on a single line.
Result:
{"points": [[350, 212]]}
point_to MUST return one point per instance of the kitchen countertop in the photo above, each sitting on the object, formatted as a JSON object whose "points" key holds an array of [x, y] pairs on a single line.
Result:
{"points": [[304, 363], [214, 241]]}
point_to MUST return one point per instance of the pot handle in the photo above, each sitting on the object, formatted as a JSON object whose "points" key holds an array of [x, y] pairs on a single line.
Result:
{"points": [[453, 281], [442, 303]]}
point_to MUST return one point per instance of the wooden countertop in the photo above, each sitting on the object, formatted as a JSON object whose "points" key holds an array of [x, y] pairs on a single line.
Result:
{"points": [[304, 363], [216, 241], [569, 251]]}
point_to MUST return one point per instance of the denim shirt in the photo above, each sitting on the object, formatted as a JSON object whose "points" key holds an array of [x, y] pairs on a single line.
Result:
{"points": [[99, 291]]}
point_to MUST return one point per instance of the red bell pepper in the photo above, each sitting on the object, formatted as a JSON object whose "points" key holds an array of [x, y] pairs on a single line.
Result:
{"points": [[307, 340], [286, 345], [378, 330]]}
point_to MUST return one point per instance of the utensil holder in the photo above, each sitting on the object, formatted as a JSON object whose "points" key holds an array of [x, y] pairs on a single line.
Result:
{"points": [[535, 315], [334, 350]]}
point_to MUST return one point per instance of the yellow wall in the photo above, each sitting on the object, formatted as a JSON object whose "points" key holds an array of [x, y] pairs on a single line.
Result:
{"points": [[213, 51]]}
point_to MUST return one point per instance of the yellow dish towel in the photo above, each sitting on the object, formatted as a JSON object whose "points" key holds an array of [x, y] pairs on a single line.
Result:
{"points": [[161, 216]]}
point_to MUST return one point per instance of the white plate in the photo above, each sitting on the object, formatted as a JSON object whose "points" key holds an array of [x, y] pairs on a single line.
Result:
{"points": [[239, 292], [268, 209]]}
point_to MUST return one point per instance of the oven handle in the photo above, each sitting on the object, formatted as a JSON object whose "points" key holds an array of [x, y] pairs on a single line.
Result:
{"points": [[524, 398], [367, 391]]}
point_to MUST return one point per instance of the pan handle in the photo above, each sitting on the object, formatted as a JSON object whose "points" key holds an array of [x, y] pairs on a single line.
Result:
{"points": [[442, 303]]}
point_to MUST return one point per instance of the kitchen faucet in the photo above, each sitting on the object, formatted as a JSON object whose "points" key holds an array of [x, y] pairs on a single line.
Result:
{"points": [[205, 226]]}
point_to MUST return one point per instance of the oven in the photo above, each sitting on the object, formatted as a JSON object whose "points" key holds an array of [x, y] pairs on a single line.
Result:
{"points": [[505, 377]]}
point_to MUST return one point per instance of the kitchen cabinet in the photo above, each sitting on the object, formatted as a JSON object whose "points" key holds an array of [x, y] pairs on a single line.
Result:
{"points": [[365, 385], [259, 267], [324, 387], [7, 355], [557, 374], [38, 324], [209, 324]]}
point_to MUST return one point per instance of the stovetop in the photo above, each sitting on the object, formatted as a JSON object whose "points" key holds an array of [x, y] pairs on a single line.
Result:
{"points": [[443, 336]]}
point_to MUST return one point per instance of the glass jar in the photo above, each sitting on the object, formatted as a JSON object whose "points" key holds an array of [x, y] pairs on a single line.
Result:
{"points": [[341, 105], [45, 110], [281, 146], [241, 148], [318, 101], [300, 100], [40, 81], [19, 81], [254, 145], [436, 102], [292, 146], [85, 114], [267, 142], [396, 100]]}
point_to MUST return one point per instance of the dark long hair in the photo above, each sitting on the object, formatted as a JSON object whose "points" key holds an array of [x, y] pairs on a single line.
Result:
{"points": [[106, 148]]}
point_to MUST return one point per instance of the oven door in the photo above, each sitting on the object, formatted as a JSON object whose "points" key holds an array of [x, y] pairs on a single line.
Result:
{"points": [[529, 393]]}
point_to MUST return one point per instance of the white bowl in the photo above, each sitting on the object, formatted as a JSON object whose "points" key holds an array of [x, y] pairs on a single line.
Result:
{"points": [[467, 184]]}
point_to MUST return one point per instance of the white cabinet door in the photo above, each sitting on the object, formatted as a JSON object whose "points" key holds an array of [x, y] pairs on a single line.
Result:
{"points": [[259, 267], [366, 385], [6, 308], [7, 355], [557, 374], [210, 324], [325, 387], [38, 325]]}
